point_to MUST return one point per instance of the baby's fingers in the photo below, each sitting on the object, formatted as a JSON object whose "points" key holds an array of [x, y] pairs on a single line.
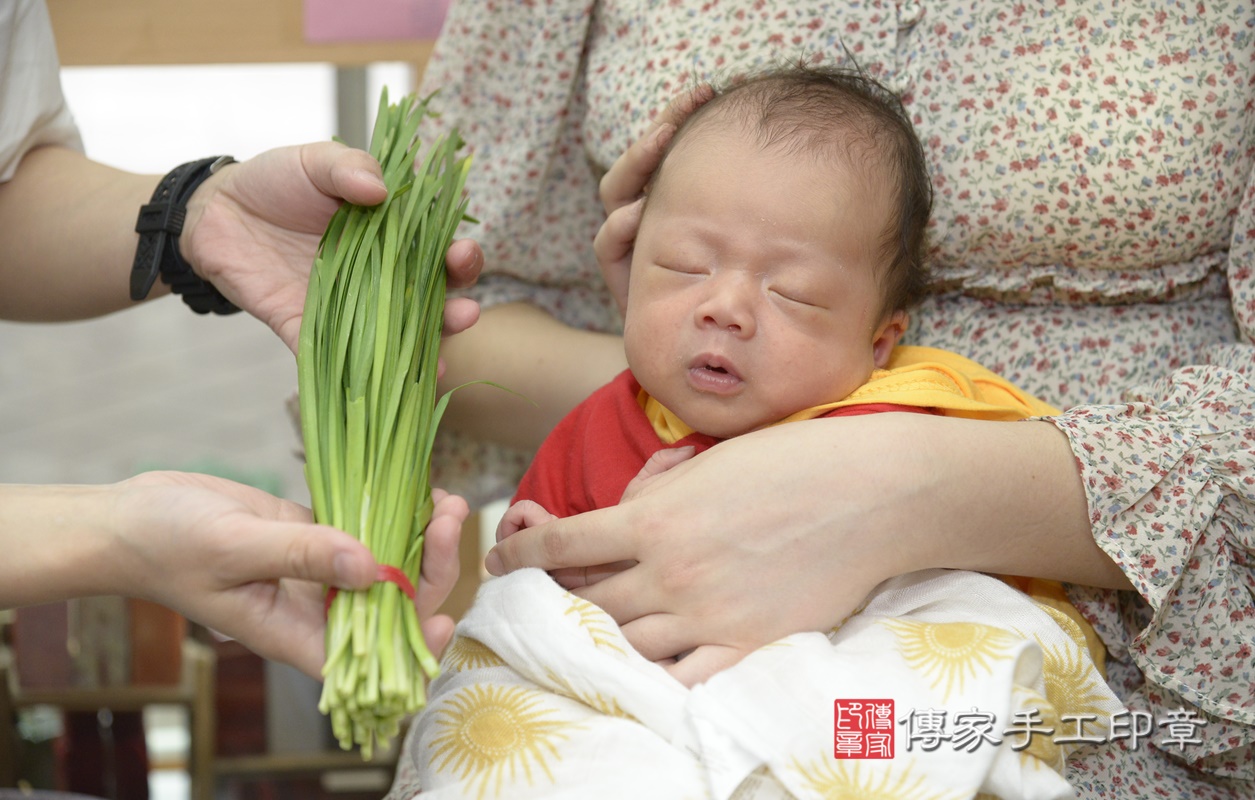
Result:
{"points": [[657, 464], [523, 514]]}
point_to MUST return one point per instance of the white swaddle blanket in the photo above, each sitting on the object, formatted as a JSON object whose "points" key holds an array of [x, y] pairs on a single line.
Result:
{"points": [[542, 697]]}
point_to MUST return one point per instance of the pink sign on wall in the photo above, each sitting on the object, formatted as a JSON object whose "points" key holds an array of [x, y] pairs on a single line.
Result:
{"points": [[373, 20]]}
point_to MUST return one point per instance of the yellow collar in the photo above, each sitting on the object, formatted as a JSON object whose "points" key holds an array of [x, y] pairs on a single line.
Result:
{"points": [[923, 377]]}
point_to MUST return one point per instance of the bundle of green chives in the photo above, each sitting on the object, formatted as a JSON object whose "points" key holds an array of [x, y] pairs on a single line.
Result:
{"points": [[367, 381]]}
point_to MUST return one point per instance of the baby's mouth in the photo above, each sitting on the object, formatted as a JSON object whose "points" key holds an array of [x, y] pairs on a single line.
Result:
{"points": [[715, 364], [714, 374]]}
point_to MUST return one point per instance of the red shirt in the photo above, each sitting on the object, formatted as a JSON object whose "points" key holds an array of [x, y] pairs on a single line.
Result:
{"points": [[597, 449]]}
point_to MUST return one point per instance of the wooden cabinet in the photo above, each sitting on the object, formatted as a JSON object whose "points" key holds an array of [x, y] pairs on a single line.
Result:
{"points": [[193, 691]]}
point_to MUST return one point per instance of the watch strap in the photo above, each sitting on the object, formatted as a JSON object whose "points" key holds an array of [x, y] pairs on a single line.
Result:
{"points": [[159, 225]]}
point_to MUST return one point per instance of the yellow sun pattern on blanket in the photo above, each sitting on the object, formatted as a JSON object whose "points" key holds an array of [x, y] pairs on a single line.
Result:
{"points": [[949, 653], [606, 706], [597, 622], [597, 701], [466, 653], [1032, 731], [827, 778], [487, 735], [1072, 688]]}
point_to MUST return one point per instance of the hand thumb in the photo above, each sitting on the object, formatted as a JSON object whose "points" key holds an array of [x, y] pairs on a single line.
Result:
{"points": [[308, 552]]}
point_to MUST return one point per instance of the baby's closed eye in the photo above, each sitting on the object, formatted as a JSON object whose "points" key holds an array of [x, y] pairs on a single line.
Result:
{"points": [[796, 295]]}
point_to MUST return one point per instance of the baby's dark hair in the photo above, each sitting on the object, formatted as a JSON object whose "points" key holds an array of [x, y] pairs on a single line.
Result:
{"points": [[826, 109]]}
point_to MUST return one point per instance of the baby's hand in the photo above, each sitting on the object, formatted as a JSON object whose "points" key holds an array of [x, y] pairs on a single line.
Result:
{"points": [[523, 514]]}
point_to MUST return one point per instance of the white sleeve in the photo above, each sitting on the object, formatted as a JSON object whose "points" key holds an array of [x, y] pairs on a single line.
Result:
{"points": [[32, 109]]}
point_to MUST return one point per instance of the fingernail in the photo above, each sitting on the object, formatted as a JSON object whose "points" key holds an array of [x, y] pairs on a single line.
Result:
{"points": [[662, 136], [344, 567], [372, 178], [492, 563]]}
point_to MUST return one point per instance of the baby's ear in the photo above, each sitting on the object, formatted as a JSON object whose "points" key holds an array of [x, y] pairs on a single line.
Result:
{"points": [[887, 336]]}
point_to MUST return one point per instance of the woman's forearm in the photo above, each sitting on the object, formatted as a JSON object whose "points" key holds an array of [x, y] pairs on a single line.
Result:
{"points": [[56, 544], [67, 236], [226, 555], [1001, 498], [790, 528], [551, 367], [829, 508]]}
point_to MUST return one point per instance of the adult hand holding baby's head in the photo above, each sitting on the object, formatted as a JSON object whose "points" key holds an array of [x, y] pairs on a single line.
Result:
{"points": [[622, 190]]}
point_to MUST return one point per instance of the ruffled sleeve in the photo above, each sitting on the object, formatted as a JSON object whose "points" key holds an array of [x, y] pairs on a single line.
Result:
{"points": [[1170, 477], [1241, 268]]}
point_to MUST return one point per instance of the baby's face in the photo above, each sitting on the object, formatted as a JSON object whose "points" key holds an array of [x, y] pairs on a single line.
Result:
{"points": [[754, 292]]}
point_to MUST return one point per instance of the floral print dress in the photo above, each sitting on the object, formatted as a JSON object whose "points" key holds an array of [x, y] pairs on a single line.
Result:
{"points": [[1093, 240]]}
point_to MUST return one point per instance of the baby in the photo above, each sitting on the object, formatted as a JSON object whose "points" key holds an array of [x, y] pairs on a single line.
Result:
{"points": [[780, 248]]}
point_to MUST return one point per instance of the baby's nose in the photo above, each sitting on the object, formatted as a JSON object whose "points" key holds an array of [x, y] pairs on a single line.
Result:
{"points": [[728, 304]]}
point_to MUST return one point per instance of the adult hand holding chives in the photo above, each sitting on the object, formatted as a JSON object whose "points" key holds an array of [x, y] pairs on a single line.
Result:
{"points": [[253, 228], [228, 556]]}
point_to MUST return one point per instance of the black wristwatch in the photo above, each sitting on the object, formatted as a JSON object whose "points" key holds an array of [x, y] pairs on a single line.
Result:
{"points": [[159, 224]]}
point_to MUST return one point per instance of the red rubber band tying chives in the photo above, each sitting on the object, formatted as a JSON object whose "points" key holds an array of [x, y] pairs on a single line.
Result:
{"points": [[383, 574]]}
